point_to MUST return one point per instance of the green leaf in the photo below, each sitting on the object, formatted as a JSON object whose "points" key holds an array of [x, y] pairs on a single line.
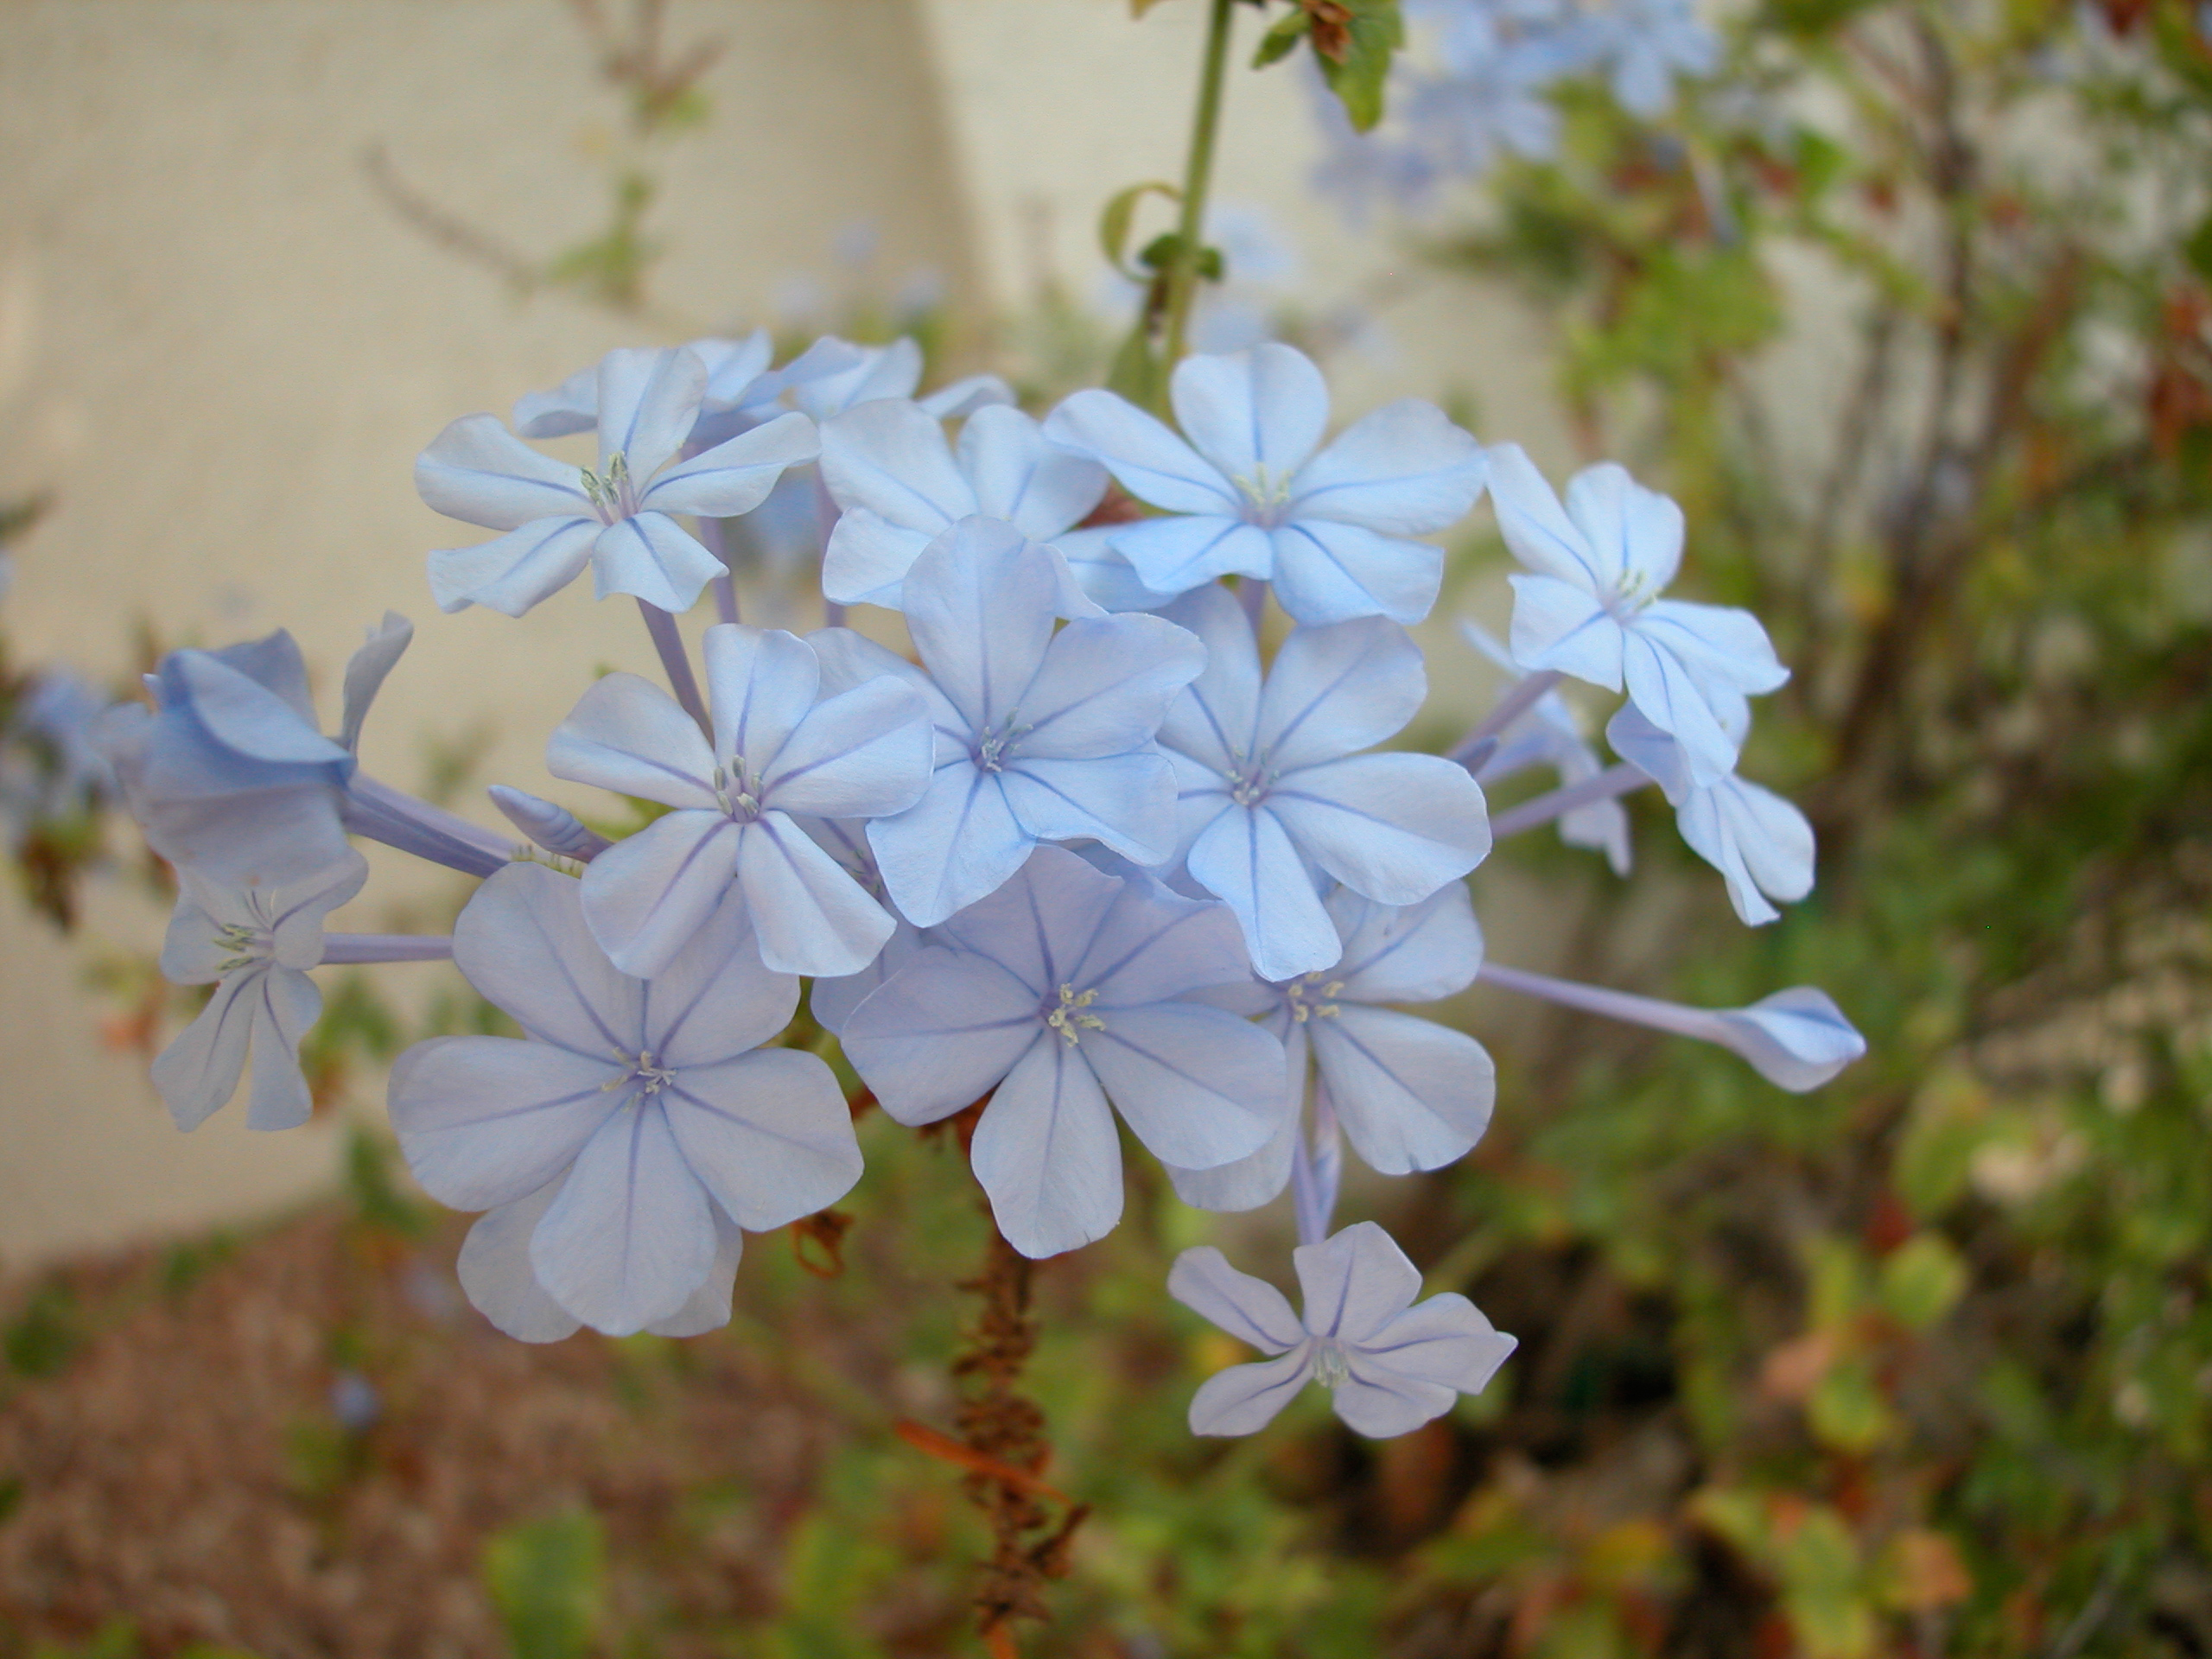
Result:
{"points": [[45, 1336], [1280, 40], [1813, 17], [1374, 32], [1160, 253], [1922, 1280], [1120, 213], [1847, 1411], [548, 1579], [2198, 248]]}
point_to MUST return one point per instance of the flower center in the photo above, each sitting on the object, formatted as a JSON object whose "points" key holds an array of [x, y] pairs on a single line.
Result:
{"points": [[1633, 594], [1330, 1365], [1248, 780], [1265, 493], [246, 945], [613, 496], [643, 1069], [995, 747], [1310, 999], [1069, 1018], [738, 791]]}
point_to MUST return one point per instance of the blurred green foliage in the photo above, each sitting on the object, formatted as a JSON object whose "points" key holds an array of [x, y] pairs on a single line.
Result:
{"points": [[1928, 1357], [546, 1578]]}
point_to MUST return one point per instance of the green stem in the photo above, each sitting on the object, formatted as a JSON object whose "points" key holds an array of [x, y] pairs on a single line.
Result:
{"points": [[1198, 173]]}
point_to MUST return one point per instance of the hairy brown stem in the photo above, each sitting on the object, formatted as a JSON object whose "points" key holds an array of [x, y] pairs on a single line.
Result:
{"points": [[1005, 1430]]}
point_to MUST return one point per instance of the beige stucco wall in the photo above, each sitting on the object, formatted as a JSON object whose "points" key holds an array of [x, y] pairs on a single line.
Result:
{"points": [[220, 351]]}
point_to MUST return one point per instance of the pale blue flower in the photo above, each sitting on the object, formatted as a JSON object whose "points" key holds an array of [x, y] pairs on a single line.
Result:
{"points": [[1644, 44], [1390, 1366], [1273, 787], [1362, 169], [556, 828], [1591, 607], [59, 708], [775, 751], [1760, 843], [1409, 1094], [1041, 735], [1059, 994], [1549, 734], [51, 765], [620, 1146], [614, 517], [894, 370], [831, 999], [1496, 63], [887, 464], [230, 776], [741, 390], [1796, 1039], [254, 944], [1253, 497]]}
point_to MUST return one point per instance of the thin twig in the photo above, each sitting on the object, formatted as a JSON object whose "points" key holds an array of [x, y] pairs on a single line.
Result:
{"points": [[453, 234]]}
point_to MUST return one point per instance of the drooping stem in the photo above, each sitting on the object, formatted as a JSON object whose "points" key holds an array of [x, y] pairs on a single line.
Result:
{"points": [[669, 642], [1480, 744], [1614, 780], [1198, 176]]}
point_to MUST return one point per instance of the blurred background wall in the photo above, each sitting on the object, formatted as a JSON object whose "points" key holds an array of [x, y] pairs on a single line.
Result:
{"points": [[250, 262]]}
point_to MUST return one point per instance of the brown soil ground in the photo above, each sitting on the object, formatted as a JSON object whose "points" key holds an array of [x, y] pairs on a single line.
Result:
{"points": [[174, 1450]]}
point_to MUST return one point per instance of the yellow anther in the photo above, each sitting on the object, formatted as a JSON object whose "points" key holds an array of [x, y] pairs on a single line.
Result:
{"points": [[1069, 1021]]}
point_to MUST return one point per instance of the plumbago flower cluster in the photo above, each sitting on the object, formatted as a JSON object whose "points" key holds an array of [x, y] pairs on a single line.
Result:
{"points": [[1074, 846]]}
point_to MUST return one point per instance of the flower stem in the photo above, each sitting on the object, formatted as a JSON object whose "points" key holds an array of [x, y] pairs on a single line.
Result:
{"points": [[1477, 746], [387, 947], [715, 539], [1004, 1428], [383, 813], [670, 643], [1614, 780], [1613, 1005], [1198, 176]]}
